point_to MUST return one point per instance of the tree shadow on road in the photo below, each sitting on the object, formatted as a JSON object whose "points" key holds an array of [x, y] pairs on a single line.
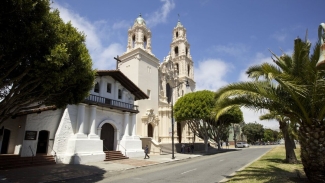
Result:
{"points": [[53, 173]]}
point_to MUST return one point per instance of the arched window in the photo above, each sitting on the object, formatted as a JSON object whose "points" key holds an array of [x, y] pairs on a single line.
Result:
{"points": [[144, 42], [177, 69], [176, 51], [96, 89], [168, 93], [186, 51], [133, 41], [188, 69], [176, 34]]}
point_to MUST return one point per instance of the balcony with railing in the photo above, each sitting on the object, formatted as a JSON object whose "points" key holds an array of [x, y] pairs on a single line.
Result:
{"points": [[110, 103]]}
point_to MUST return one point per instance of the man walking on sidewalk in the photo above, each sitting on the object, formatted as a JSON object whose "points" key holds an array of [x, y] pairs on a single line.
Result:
{"points": [[146, 151]]}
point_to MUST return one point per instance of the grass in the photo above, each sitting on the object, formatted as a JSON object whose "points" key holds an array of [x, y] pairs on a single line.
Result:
{"points": [[271, 168]]}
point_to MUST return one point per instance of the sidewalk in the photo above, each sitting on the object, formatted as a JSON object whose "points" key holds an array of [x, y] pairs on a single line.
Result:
{"points": [[61, 172]]}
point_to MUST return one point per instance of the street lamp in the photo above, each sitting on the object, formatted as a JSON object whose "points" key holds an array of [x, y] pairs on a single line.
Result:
{"points": [[235, 138], [170, 100]]}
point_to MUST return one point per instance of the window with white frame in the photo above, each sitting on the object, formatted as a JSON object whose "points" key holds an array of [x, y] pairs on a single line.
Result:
{"points": [[109, 88]]}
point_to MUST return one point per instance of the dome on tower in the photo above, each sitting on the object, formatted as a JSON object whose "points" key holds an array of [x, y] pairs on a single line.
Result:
{"points": [[140, 20], [179, 24]]}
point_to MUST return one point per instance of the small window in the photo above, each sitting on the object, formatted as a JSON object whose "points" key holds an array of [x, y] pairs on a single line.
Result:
{"points": [[177, 69], [133, 41], [176, 34], [186, 51], [148, 93], [119, 94], [144, 42], [96, 89], [176, 51], [109, 87]]}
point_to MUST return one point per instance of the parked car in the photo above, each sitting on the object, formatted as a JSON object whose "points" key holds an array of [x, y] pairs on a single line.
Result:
{"points": [[242, 144]]}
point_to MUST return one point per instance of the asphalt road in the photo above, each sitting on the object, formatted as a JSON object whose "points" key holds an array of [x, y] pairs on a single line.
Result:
{"points": [[210, 168]]}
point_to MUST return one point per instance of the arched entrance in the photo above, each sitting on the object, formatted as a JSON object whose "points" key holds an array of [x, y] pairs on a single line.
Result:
{"points": [[107, 135], [179, 132], [43, 138], [5, 141], [150, 130]]}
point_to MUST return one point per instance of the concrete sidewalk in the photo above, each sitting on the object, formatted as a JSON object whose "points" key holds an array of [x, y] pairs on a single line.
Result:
{"points": [[60, 172]]}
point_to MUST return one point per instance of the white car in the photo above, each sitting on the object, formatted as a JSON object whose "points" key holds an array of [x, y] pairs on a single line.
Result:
{"points": [[242, 144]]}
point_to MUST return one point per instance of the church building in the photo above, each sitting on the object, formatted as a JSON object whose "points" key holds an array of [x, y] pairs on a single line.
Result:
{"points": [[159, 80], [127, 108]]}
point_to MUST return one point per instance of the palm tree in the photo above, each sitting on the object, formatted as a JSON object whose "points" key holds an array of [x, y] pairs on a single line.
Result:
{"points": [[294, 89], [284, 123]]}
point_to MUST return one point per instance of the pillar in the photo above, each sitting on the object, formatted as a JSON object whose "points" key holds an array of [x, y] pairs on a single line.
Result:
{"points": [[92, 123], [81, 122], [126, 123], [133, 123]]}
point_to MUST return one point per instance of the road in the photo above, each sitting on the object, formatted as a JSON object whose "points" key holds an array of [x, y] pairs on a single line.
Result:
{"points": [[210, 168]]}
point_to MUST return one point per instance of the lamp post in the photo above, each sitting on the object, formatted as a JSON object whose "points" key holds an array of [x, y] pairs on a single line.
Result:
{"points": [[170, 96], [235, 138]]}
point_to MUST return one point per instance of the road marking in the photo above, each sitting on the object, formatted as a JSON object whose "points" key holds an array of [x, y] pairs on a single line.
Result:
{"points": [[188, 171], [221, 160]]}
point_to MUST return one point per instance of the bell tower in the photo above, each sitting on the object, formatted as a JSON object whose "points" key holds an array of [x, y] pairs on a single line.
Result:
{"points": [[139, 36], [181, 57], [140, 65]]}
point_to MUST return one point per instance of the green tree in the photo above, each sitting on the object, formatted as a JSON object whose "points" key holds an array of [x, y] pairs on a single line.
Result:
{"points": [[289, 144], [295, 89], [253, 131], [196, 110], [268, 135], [219, 128], [44, 61]]}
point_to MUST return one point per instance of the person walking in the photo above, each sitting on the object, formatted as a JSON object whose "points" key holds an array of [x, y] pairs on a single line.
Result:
{"points": [[192, 148], [146, 151]]}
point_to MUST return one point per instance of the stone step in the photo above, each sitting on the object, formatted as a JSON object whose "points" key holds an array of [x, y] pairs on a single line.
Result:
{"points": [[114, 155]]}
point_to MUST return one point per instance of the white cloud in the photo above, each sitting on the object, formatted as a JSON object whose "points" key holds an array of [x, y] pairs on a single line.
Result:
{"points": [[95, 32], [251, 116], [210, 74], [257, 60], [231, 49], [160, 15]]}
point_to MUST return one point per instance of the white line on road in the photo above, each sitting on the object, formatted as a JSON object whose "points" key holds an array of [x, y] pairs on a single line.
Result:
{"points": [[188, 171]]}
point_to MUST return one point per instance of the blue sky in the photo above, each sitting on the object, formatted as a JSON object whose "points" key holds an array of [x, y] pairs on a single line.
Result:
{"points": [[226, 37]]}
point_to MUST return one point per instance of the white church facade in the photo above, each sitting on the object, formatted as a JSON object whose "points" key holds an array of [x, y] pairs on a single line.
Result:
{"points": [[127, 109], [78, 134], [158, 80]]}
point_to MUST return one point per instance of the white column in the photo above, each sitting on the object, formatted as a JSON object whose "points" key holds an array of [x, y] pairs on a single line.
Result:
{"points": [[126, 123], [102, 87], [133, 119], [92, 123], [81, 121]]}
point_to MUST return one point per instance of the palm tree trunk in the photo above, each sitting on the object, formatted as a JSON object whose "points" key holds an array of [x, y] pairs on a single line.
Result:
{"points": [[288, 143], [312, 141]]}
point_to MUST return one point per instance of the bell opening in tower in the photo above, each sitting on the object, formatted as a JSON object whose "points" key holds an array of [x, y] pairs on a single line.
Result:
{"points": [[133, 41], [176, 51], [144, 42], [176, 34]]}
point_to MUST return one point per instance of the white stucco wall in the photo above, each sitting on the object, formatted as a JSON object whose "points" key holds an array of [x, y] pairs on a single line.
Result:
{"points": [[16, 127], [48, 121]]}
